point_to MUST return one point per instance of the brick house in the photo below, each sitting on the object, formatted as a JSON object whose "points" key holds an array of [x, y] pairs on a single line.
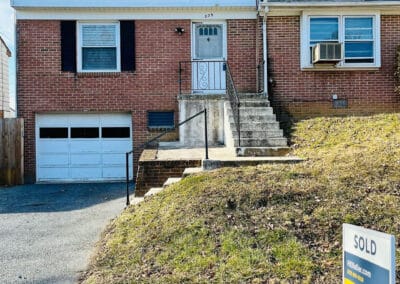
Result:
{"points": [[362, 83], [94, 80], [5, 54]]}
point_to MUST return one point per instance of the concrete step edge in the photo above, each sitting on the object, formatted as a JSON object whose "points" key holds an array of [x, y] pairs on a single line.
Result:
{"points": [[170, 181]]}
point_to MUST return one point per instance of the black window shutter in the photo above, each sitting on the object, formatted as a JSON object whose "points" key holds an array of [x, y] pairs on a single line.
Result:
{"points": [[68, 46], [127, 30]]}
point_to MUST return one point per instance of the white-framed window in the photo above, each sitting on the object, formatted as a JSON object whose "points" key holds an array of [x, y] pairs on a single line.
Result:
{"points": [[358, 33], [98, 47]]}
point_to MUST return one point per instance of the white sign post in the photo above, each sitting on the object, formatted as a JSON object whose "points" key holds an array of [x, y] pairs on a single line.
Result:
{"points": [[368, 256]]}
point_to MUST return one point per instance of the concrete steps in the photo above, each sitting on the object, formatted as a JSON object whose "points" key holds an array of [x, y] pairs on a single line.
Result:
{"points": [[262, 151], [261, 142], [276, 133], [187, 172], [257, 126], [260, 134], [190, 171], [171, 181]]}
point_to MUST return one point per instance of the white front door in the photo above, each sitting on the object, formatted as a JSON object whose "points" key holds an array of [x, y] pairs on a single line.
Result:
{"points": [[82, 147], [209, 55]]}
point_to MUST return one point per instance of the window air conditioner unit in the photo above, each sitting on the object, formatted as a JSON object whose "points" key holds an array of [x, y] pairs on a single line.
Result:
{"points": [[327, 52]]}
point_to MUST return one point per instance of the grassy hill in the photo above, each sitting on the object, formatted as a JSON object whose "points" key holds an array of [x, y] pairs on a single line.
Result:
{"points": [[274, 222]]}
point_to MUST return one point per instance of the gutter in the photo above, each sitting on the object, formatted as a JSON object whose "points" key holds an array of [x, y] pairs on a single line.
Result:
{"points": [[265, 52], [313, 4]]}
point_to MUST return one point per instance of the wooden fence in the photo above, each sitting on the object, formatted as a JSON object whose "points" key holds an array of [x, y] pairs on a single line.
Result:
{"points": [[11, 151]]}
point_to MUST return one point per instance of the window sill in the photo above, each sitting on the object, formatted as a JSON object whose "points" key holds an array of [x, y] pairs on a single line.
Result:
{"points": [[160, 128], [99, 74], [340, 68]]}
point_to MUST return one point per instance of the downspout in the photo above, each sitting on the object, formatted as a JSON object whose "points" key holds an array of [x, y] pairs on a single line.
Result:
{"points": [[265, 52]]}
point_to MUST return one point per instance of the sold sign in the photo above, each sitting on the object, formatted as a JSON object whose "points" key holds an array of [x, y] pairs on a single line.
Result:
{"points": [[368, 256]]}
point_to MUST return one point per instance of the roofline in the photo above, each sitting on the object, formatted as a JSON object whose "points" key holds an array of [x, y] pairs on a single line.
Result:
{"points": [[116, 4], [8, 50], [312, 4]]}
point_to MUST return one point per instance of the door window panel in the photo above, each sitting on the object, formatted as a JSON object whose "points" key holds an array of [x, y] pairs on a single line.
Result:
{"points": [[208, 41]]}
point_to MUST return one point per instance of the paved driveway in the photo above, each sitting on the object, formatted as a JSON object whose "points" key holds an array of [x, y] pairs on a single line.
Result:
{"points": [[47, 232]]}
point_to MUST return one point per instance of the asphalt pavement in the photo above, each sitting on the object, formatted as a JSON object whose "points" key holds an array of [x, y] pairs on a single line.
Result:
{"points": [[48, 232]]}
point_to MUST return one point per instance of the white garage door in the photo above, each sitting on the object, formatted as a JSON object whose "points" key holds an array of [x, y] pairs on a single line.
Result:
{"points": [[82, 147]]}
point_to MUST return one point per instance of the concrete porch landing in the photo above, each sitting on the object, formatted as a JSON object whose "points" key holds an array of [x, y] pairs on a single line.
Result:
{"points": [[222, 155], [218, 157], [170, 161]]}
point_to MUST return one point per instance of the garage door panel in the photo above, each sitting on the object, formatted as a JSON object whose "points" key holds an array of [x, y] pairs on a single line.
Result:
{"points": [[116, 146], [53, 146], [53, 173], [52, 120], [115, 119], [85, 159], [85, 153], [115, 172], [85, 146], [88, 120], [48, 160], [114, 159], [86, 173]]}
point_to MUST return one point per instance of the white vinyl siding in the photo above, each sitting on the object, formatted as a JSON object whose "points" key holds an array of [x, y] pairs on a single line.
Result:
{"points": [[98, 47]]}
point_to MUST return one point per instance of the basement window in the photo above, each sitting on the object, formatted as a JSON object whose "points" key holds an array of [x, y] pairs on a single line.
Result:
{"points": [[160, 120]]}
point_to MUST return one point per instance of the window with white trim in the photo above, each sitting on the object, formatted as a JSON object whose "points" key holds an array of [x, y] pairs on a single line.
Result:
{"points": [[98, 47], [359, 35]]}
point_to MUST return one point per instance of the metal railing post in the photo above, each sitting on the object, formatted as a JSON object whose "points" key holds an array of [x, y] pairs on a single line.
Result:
{"points": [[180, 78], [205, 133], [238, 128], [127, 178]]}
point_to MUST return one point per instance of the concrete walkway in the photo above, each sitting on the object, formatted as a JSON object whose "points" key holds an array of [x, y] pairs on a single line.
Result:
{"points": [[218, 156], [47, 232]]}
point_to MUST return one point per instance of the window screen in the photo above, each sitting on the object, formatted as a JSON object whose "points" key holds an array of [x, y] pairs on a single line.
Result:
{"points": [[99, 46], [359, 39]]}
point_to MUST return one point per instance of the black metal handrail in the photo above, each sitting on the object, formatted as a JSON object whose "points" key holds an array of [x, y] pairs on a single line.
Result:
{"points": [[197, 76], [156, 139], [234, 99]]}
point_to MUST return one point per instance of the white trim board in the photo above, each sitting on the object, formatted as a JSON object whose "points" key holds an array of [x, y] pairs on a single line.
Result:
{"points": [[135, 14], [304, 38], [130, 3]]}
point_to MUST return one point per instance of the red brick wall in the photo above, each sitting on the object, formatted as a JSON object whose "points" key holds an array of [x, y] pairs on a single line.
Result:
{"points": [[155, 173], [242, 53], [308, 93], [42, 87]]}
